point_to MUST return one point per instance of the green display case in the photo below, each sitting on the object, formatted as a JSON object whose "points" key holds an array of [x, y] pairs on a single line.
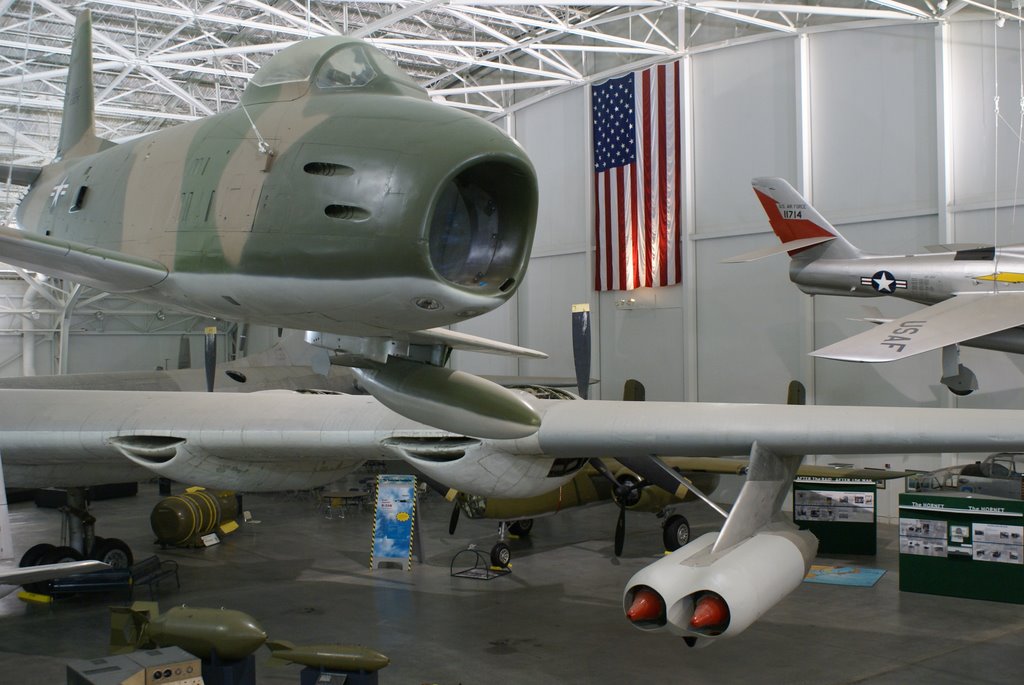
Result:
{"points": [[962, 545], [839, 511]]}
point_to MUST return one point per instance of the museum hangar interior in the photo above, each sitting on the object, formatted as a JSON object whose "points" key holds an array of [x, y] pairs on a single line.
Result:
{"points": [[900, 122]]}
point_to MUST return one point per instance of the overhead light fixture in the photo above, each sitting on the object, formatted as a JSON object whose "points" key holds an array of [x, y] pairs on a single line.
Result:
{"points": [[1001, 22], [943, 4]]}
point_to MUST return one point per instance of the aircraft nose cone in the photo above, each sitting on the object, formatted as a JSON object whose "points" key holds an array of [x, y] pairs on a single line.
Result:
{"points": [[711, 612], [647, 606]]}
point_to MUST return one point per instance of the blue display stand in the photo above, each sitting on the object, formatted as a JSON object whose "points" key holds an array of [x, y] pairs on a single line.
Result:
{"points": [[394, 523]]}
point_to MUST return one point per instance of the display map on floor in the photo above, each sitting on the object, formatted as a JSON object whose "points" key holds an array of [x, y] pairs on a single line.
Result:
{"points": [[854, 576]]}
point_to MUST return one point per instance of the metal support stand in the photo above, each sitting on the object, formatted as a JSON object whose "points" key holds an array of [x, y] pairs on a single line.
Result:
{"points": [[79, 523]]}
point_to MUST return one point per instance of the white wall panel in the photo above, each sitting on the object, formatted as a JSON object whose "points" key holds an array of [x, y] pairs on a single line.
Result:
{"points": [[555, 134], [745, 125], [546, 299], [873, 120], [642, 340], [749, 324], [976, 144]]}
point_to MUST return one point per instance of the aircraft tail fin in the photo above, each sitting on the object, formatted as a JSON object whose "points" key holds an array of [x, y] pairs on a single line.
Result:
{"points": [[128, 626], [78, 128], [799, 225]]}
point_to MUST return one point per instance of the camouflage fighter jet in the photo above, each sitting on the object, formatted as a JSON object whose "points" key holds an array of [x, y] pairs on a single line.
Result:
{"points": [[975, 296], [336, 199]]}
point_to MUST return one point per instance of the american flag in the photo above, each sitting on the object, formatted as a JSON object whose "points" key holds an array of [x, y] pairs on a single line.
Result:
{"points": [[637, 159]]}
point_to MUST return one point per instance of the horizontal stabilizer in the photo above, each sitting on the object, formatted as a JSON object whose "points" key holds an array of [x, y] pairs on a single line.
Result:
{"points": [[19, 174], [951, 321], [791, 246], [768, 482], [103, 269], [954, 247]]}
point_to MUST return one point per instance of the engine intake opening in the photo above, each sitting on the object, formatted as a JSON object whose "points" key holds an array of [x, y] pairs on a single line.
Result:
{"points": [[480, 228]]}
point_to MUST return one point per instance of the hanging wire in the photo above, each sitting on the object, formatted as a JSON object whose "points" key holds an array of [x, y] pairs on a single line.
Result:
{"points": [[1020, 123], [995, 156]]}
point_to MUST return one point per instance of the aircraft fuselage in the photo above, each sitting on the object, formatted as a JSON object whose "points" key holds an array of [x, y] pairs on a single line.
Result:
{"points": [[923, 278], [342, 209]]}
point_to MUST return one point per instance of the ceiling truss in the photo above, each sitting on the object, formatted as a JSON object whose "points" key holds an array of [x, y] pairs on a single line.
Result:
{"points": [[158, 62]]}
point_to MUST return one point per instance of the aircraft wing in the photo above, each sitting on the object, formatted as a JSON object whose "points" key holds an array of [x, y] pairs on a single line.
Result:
{"points": [[472, 343], [951, 321], [19, 174], [740, 466], [282, 440], [34, 574], [103, 269]]}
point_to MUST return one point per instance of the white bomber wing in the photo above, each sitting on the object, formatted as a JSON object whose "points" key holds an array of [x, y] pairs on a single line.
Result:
{"points": [[958, 319], [285, 440], [602, 428]]}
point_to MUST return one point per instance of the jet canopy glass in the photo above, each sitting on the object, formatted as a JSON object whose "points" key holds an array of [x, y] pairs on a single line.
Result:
{"points": [[330, 63], [347, 67]]}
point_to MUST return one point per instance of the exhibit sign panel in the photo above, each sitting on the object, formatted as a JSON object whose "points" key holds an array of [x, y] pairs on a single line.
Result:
{"points": [[962, 545], [393, 523], [839, 511]]}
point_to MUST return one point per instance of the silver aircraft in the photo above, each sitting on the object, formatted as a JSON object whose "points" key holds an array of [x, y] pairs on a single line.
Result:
{"points": [[974, 296]]}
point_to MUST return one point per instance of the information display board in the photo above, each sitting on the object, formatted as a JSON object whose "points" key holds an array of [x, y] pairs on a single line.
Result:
{"points": [[962, 545], [839, 511], [393, 523]]}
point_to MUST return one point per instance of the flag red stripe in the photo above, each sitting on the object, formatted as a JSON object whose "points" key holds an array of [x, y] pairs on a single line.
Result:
{"points": [[677, 228], [608, 230]]}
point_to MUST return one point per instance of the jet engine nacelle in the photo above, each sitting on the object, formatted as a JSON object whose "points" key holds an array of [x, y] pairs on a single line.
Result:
{"points": [[487, 468], [696, 593]]}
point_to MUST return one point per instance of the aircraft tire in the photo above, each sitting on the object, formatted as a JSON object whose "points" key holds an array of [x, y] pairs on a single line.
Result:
{"points": [[676, 532], [521, 527], [34, 554], [60, 554], [501, 555], [112, 551]]}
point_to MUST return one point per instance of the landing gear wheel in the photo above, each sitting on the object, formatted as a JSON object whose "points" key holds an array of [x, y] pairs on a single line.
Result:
{"points": [[521, 527], [501, 555], [961, 393], [61, 554], [676, 532], [112, 551], [34, 554], [54, 555]]}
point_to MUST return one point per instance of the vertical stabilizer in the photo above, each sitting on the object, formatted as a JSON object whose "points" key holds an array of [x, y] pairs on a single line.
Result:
{"points": [[77, 129], [800, 225]]}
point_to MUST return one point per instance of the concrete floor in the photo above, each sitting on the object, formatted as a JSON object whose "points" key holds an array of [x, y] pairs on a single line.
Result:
{"points": [[556, 619]]}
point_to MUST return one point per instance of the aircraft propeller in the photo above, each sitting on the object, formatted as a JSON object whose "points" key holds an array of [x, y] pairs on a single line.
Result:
{"points": [[210, 355]]}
